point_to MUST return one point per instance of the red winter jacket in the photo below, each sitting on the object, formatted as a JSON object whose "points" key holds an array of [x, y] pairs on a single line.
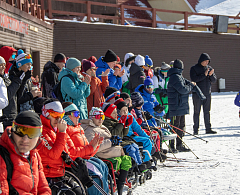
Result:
{"points": [[148, 73], [28, 176], [55, 143], [78, 144]]}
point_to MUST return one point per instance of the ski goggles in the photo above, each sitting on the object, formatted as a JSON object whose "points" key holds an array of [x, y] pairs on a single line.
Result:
{"points": [[30, 131], [149, 86], [99, 116], [73, 113], [56, 115]]}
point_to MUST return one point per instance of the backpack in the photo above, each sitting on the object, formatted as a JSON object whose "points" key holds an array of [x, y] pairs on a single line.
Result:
{"points": [[56, 93], [237, 100], [9, 165]]}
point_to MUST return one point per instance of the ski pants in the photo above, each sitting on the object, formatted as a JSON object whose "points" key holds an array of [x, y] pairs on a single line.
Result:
{"points": [[179, 122], [133, 151]]}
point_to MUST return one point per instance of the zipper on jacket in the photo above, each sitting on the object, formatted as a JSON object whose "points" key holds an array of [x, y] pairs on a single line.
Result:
{"points": [[30, 163]]}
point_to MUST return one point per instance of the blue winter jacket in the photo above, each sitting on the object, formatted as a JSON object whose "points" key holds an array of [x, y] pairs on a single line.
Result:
{"points": [[75, 92], [150, 102], [114, 81], [178, 92]]}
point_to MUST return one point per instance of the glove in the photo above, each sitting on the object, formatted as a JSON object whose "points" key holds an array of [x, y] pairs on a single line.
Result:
{"points": [[147, 115], [123, 119], [158, 108], [79, 168], [66, 158], [129, 121], [116, 140]]}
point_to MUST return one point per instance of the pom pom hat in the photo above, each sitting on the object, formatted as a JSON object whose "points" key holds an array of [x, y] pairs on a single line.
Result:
{"points": [[148, 61], [23, 58], [148, 82], [108, 108], [95, 111]]}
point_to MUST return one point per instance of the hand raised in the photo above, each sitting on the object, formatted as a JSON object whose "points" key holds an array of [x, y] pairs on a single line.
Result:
{"points": [[62, 125], [106, 72], [211, 72]]}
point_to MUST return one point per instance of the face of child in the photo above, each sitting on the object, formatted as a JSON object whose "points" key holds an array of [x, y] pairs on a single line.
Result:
{"points": [[124, 111], [26, 67], [97, 122], [2, 68], [114, 114]]}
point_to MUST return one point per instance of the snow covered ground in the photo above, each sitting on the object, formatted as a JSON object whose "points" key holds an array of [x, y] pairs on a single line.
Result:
{"points": [[223, 147]]}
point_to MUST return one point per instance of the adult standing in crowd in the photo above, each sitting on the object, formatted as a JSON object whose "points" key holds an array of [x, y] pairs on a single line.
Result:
{"points": [[204, 76], [3, 94], [50, 73], [97, 87], [109, 62], [9, 54], [22, 143], [74, 87], [128, 60], [178, 92]]}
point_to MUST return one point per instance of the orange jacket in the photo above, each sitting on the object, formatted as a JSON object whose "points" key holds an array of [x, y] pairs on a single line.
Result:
{"points": [[97, 88], [28, 176], [78, 144], [55, 143]]}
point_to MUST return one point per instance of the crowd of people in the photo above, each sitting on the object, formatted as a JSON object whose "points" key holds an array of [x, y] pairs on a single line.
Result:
{"points": [[82, 113]]}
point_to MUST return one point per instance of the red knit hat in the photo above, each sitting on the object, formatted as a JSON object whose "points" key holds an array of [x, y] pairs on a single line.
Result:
{"points": [[108, 108], [120, 103], [92, 59]]}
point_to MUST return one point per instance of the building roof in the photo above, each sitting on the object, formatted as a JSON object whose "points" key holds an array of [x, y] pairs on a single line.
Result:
{"points": [[193, 3]]}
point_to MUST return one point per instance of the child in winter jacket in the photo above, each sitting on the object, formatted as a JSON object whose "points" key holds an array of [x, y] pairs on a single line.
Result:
{"points": [[78, 146], [109, 149], [148, 66]]}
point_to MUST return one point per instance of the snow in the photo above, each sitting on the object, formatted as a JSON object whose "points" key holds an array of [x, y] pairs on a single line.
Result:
{"points": [[223, 147]]}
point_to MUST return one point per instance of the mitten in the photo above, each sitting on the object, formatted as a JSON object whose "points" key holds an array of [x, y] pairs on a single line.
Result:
{"points": [[129, 121], [123, 119], [148, 116], [81, 171]]}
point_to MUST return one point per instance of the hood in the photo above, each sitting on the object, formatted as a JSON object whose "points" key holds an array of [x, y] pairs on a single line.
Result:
{"points": [[203, 57], [174, 71], [66, 71], [51, 65], [13, 69], [101, 64], [134, 69], [6, 53], [140, 88]]}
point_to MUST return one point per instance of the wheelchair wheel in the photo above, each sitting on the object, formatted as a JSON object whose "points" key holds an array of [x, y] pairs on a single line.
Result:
{"points": [[70, 176], [142, 179]]}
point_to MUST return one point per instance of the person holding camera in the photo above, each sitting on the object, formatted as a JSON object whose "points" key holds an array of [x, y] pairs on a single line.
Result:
{"points": [[204, 76]]}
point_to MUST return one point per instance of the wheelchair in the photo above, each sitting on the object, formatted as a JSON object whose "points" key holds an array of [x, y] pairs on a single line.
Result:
{"points": [[68, 184]]}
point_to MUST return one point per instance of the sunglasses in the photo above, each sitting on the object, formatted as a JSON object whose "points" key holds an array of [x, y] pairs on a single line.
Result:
{"points": [[56, 115], [99, 116], [30, 131], [74, 113]]}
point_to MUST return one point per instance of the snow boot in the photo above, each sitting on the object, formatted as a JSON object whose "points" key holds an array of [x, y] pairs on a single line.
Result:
{"points": [[210, 131], [163, 157], [182, 148]]}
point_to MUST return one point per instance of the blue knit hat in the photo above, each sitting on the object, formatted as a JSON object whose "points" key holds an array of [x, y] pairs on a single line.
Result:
{"points": [[23, 58], [148, 82], [72, 63], [148, 61]]}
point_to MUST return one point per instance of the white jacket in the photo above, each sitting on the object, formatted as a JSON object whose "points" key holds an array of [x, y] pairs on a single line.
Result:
{"points": [[3, 99], [126, 75]]}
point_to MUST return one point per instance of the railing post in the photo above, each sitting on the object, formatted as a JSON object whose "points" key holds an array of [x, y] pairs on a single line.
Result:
{"points": [[154, 23], [38, 12], [185, 20], [26, 6], [122, 14], [19, 4], [89, 11], [50, 9], [42, 10]]}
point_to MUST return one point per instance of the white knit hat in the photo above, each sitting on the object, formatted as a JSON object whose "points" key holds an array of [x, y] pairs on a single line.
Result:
{"points": [[2, 60], [139, 60]]}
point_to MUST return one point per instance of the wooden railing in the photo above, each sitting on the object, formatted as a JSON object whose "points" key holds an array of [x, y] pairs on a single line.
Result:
{"points": [[39, 11]]}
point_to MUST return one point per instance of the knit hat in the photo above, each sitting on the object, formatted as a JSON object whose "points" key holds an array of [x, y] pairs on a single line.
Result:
{"points": [[111, 93], [108, 108], [86, 64], [165, 67], [60, 57], [124, 95], [23, 58], [171, 63], [2, 60], [148, 82], [92, 59], [127, 55], [38, 104], [178, 64], [28, 118], [137, 99], [72, 63], [55, 106], [148, 61], [129, 60], [139, 60], [120, 103], [95, 111], [110, 56]]}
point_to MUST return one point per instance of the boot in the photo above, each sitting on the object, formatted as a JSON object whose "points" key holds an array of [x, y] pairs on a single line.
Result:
{"points": [[121, 181], [148, 164], [210, 131], [172, 146], [195, 131], [164, 151], [163, 157], [142, 167], [182, 148]]}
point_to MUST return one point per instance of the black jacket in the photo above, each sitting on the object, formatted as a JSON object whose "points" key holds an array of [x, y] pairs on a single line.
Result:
{"points": [[137, 77], [178, 91], [49, 78], [197, 74]]}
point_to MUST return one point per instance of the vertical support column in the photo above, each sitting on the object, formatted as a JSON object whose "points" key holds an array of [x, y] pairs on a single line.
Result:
{"points": [[50, 9], [122, 14], [89, 11], [185, 20], [42, 10], [154, 24]]}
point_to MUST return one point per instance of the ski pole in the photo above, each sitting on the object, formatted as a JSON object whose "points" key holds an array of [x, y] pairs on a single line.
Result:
{"points": [[189, 133], [151, 136], [179, 137]]}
